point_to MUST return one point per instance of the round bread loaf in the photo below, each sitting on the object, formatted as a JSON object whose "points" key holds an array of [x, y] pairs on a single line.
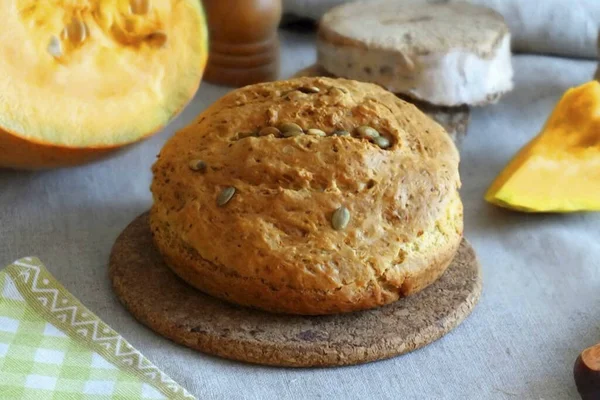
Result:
{"points": [[319, 216], [447, 54]]}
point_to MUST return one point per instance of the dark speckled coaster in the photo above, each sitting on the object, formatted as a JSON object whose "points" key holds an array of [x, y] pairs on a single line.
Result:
{"points": [[166, 304]]}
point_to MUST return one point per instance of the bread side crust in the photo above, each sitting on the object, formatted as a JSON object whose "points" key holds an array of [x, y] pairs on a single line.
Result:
{"points": [[421, 268]]}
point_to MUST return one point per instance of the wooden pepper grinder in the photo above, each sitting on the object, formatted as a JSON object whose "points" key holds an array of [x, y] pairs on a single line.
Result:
{"points": [[244, 45]]}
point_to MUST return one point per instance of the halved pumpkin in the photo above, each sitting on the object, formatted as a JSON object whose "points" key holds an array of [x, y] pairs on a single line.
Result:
{"points": [[80, 78], [559, 171]]}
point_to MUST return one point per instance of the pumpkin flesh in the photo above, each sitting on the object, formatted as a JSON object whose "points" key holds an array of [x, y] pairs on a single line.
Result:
{"points": [[559, 171], [94, 74]]}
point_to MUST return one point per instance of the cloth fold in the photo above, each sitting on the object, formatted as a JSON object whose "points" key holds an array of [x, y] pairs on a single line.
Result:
{"points": [[52, 346]]}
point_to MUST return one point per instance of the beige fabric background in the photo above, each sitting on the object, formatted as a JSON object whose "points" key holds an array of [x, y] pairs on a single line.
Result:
{"points": [[562, 27], [541, 297]]}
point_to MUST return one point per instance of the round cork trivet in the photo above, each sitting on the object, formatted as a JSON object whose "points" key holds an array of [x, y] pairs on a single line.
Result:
{"points": [[166, 304]]}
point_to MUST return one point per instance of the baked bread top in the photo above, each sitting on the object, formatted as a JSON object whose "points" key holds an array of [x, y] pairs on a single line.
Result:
{"points": [[455, 120], [415, 27], [259, 205]]}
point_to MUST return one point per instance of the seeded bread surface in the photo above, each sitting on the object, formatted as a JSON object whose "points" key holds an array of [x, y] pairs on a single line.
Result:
{"points": [[272, 244], [455, 120]]}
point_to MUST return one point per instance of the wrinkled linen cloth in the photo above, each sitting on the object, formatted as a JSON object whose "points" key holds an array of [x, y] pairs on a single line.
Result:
{"points": [[541, 273]]}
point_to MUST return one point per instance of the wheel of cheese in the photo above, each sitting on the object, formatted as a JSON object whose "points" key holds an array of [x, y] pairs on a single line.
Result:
{"points": [[446, 54]]}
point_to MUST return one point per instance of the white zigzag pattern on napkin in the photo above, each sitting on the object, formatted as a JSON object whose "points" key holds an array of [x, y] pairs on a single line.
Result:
{"points": [[122, 349]]}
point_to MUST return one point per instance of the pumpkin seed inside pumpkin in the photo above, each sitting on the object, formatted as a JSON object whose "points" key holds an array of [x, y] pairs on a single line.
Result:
{"points": [[225, 195], [54, 47], [340, 218], [139, 7], [158, 38], [76, 31]]}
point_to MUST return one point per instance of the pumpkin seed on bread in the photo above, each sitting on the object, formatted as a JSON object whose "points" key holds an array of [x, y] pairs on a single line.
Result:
{"points": [[454, 120]]}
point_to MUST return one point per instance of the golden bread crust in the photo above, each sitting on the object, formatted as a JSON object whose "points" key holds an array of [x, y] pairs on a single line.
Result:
{"points": [[454, 120], [272, 246]]}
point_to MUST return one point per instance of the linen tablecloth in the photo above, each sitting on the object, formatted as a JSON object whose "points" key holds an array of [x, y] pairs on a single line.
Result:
{"points": [[541, 299]]}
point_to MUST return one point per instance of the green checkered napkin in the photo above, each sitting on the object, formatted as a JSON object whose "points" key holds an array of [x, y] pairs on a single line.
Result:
{"points": [[52, 347]]}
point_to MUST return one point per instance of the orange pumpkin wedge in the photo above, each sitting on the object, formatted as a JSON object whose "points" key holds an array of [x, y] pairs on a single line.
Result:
{"points": [[81, 78], [559, 170]]}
